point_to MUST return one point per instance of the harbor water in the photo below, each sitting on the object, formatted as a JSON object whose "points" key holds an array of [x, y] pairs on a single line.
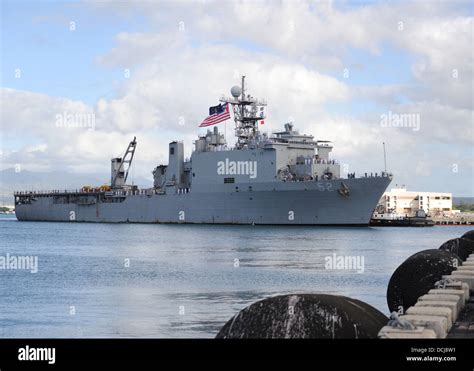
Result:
{"points": [[184, 281]]}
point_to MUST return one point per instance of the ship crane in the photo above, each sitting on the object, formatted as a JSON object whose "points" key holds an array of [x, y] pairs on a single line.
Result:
{"points": [[121, 166]]}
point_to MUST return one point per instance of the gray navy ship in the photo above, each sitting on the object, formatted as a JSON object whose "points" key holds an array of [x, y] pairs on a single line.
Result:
{"points": [[286, 178]]}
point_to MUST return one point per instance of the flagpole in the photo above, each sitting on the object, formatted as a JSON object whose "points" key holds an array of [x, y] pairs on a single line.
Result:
{"points": [[225, 125]]}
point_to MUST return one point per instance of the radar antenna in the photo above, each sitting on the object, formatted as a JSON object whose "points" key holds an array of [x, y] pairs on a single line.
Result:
{"points": [[247, 112]]}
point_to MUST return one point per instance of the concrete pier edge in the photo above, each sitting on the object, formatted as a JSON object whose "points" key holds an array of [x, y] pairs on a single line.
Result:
{"points": [[435, 313]]}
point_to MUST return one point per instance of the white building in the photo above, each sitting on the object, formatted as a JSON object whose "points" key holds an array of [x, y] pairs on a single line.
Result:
{"points": [[401, 201]]}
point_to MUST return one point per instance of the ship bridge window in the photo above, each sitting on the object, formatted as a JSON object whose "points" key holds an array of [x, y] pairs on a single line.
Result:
{"points": [[229, 180], [172, 151]]}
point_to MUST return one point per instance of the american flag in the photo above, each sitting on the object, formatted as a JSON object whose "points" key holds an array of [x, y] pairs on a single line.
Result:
{"points": [[217, 114]]}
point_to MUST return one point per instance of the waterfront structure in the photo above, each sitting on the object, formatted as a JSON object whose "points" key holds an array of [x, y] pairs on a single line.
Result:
{"points": [[402, 202]]}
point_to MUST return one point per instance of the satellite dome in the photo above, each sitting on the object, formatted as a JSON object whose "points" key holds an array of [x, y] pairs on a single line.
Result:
{"points": [[236, 91]]}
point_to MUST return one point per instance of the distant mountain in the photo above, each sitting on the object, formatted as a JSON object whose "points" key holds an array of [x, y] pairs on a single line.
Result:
{"points": [[11, 181]]}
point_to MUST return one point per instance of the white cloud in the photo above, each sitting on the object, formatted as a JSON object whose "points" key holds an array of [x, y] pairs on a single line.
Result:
{"points": [[288, 52], [319, 35]]}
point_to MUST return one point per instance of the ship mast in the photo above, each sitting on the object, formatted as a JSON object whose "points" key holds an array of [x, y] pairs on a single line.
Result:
{"points": [[247, 112], [242, 97]]}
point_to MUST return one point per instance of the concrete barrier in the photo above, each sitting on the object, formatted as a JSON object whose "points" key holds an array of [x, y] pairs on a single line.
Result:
{"points": [[463, 277], [460, 293], [433, 311], [463, 272], [452, 305], [469, 268], [432, 297], [389, 332], [458, 285], [436, 323]]}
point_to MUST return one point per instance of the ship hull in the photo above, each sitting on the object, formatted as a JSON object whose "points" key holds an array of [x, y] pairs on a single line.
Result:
{"points": [[278, 203]]}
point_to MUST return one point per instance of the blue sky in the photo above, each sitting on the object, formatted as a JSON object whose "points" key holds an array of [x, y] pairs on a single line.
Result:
{"points": [[59, 62], [55, 60], [389, 70]]}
